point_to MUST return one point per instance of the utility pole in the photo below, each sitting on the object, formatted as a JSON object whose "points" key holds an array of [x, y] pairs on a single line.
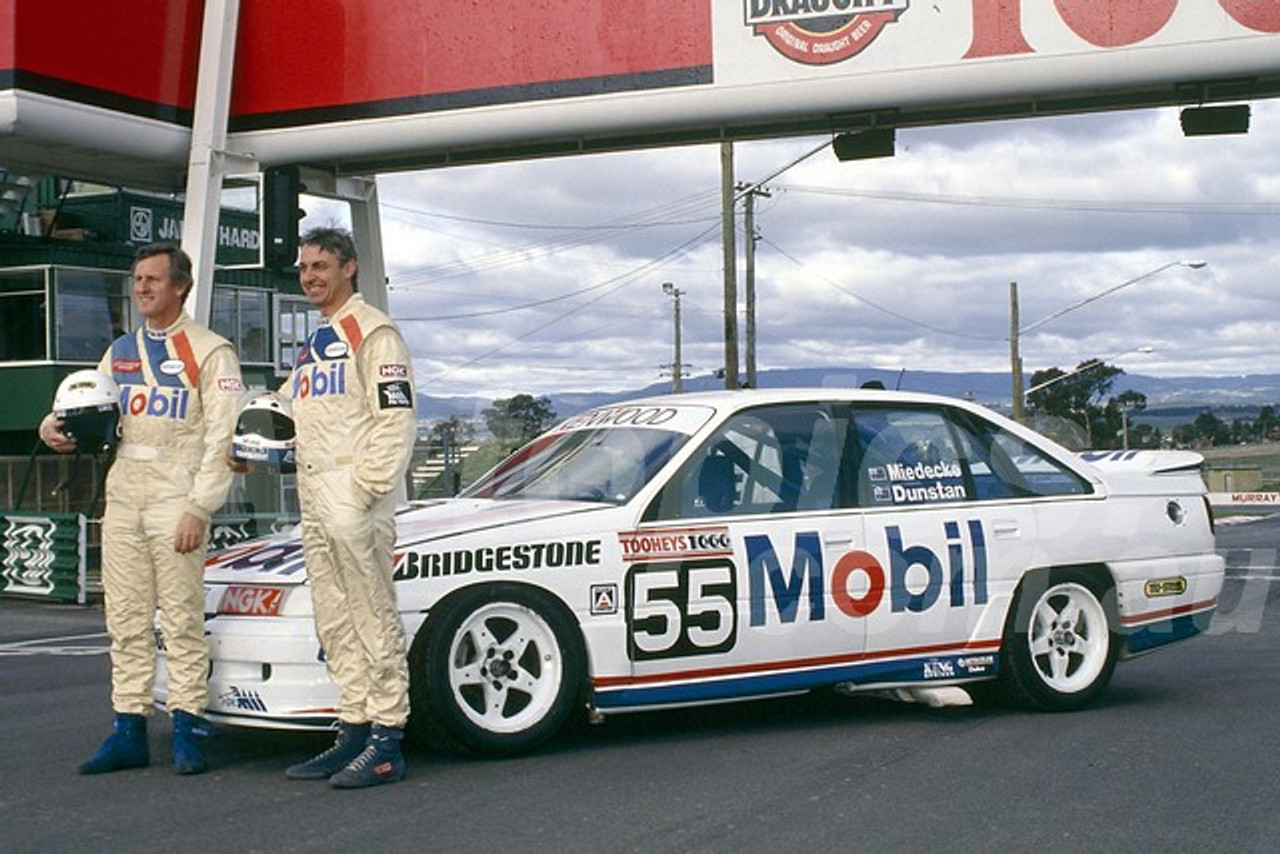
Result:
{"points": [[730, 247], [728, 199], [1015, 357], [677, 367], [749, 226]]}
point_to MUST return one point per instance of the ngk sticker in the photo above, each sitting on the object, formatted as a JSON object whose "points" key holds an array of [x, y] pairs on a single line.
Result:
{"points": [[251, 601]]}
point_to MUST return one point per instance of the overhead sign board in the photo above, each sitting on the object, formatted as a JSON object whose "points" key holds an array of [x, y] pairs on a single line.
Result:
{"points": [[139, 219], [371, 85], [89, 90], [465, 88]]}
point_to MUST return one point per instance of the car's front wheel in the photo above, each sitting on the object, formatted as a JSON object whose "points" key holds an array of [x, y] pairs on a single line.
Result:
{"points": [[1059, 649], [497, 673]]}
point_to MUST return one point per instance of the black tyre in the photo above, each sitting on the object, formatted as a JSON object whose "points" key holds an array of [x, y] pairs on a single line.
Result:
{"points": [[497, 673], [1059, 648]]}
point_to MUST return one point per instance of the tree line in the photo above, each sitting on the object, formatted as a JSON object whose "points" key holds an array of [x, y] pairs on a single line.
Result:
{"points": [[1082, 396]]}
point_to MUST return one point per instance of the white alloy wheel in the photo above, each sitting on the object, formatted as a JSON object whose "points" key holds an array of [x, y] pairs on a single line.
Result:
{"points": [[1069, 638], [505, 667], [495, 671], [1059, 648]]}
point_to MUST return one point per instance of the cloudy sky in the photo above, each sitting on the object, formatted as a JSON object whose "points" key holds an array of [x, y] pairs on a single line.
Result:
{"points": [[546, 276]]}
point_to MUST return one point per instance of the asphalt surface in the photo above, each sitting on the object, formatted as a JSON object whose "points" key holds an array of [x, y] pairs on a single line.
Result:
{"points": [[1180, 754]]}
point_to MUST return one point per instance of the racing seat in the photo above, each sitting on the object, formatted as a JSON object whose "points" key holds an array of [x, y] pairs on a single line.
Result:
{"points": [[717, 486], [793, 456], [822, 468]]}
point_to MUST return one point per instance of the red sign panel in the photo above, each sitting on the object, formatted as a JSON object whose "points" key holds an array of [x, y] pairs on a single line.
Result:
{"points": [[344, 60], [329, 60], [375, 84], [140, 61]]}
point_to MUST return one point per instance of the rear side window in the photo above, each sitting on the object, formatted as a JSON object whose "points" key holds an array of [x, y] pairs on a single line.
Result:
{"points": [[923, 455], [1034, 473], [832, 456], [908, 456]]}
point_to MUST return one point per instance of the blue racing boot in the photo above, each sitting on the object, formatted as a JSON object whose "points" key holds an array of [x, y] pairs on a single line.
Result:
{"points": [[188, 731], [126, 747], [348, 745], [380, 762]]}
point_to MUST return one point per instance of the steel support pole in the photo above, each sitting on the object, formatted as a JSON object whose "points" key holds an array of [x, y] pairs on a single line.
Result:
{"points": [[206, 163]]}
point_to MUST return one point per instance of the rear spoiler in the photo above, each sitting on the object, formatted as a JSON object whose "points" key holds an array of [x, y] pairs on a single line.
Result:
{"points": [[1145, 462]]}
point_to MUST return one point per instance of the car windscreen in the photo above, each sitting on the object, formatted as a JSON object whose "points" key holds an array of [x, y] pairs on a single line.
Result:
{"points": [[604, 465]]}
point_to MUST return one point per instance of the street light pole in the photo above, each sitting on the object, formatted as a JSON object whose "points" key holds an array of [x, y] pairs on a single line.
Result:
{"points": [[1015, 330], [677, 367], [1191, 265]]}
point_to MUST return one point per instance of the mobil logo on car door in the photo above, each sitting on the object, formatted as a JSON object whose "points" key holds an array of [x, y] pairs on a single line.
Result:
{"points": [[905, 600], [902, 578], [950, 572]]}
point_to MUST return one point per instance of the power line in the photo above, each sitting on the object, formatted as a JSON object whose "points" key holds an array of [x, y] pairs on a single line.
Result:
{"points": [[670, 208], [656, 217], [621, 282], [871, 303], [1074, 205]]}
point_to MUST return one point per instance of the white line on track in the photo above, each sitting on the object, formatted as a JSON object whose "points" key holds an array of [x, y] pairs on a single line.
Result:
{"points": [[66, 645]]}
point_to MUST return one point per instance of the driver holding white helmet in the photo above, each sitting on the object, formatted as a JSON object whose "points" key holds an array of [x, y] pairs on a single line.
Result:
{"points": [[353, 402], [179, 392]]}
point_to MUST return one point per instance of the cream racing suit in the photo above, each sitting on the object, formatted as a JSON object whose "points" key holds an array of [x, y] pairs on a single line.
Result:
{"points": [[353, 405], [180, 391]]}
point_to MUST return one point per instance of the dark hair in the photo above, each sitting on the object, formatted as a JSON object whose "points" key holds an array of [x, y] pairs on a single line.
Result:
{"points": [[179, 263], [328, 239]]}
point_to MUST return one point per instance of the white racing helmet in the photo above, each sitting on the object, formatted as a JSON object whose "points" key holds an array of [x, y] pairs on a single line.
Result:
{"points": [[265, 433], [88, 404]]}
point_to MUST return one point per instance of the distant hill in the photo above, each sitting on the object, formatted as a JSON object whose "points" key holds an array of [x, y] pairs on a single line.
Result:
{"points": [[1227, 397]]}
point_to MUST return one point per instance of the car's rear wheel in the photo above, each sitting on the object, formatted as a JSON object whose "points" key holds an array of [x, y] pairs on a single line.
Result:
{"points": [[497, 673], [1059, 648]]}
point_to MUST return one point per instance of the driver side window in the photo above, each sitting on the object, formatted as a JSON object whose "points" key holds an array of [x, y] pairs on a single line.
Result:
{"points": [[779, 459]]}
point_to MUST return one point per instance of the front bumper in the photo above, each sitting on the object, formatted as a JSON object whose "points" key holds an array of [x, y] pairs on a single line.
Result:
{"points": [[264, 673]]}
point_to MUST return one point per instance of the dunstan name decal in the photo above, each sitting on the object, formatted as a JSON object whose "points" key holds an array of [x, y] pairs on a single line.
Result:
{"points": [[821, 32]]}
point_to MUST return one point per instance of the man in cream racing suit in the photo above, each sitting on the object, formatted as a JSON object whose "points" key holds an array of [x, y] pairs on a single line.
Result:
{"points": [[180, 389], [353, 405]]}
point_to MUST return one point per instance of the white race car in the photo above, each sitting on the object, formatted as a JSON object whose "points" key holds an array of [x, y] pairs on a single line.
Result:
{"points": [[707, 547]]}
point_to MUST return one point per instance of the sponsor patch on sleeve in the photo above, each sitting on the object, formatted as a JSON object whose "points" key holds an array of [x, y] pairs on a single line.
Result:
{"points": [[395, 395], [230, 384], [393, 372]]}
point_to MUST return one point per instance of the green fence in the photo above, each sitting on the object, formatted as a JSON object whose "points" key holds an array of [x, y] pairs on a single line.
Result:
{"points": [[50, 556], [43, 555]]}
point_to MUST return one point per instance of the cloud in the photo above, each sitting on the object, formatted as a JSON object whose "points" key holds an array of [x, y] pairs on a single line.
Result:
{"points": [[545, 276]]}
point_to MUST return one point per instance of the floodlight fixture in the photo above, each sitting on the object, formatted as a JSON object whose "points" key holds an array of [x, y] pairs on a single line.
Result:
{"points": [[1215, 121], [865, 144]]}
